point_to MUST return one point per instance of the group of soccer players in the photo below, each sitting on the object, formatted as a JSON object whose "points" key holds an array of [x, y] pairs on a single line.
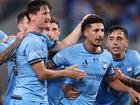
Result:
{"points": [[80, 74]]}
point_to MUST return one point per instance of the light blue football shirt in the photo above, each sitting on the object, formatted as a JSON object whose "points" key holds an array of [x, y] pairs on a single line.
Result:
{"points": [[2, 35], [11, 77], [130, 66], [94, 64], [32, 49]]}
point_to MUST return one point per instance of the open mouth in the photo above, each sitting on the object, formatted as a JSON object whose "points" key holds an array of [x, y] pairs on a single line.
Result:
{"points": [[116, 48]]}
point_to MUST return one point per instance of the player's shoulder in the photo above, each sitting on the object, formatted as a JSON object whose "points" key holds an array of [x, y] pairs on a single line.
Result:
{"points": [[107, 55], [132, 53], [74, 49], [32, 38], [106, 52]]}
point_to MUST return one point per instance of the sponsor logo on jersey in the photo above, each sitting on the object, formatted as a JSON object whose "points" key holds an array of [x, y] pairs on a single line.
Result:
{"points": [[85, 63]]}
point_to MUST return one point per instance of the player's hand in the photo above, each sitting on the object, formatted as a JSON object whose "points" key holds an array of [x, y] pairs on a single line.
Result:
{"points": [[87, 15], [21, 34], [118, 74], [74, 72], [135, 95], [70, 92]]}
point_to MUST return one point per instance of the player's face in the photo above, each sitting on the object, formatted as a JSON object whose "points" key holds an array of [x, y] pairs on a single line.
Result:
{"points": [[42, 17], [54, 30], [117, 42], [94, 34]]}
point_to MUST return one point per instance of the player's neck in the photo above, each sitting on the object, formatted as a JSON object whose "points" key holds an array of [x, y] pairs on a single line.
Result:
{"points": [[91, 48], [118, 56], [34, 28]]}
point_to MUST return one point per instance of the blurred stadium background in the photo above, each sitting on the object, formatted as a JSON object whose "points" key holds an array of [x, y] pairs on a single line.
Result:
{"points": [[69, 13]]}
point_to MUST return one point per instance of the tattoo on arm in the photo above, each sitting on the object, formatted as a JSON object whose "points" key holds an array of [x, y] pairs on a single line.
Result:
{"points": [[7, 53], [132, 82]]}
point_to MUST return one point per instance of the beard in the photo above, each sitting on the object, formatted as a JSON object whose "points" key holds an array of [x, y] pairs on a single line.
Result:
{"points": [[96, 45]]}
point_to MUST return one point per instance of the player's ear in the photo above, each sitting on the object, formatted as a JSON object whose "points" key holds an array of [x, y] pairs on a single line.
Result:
{"points": [[20, 26], [32, 16], [85, 33], [126, 43], [107, 42]]}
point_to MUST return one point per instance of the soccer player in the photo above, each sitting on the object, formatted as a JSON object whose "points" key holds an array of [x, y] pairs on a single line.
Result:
{"points": [[95, 61], [7, 41], [128, 61], [54, 85], [31, 57], [22, 25], [54, 30]]}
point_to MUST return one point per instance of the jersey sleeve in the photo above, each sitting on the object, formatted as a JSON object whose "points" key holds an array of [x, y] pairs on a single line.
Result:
{"points": [[110, 71], [50, 44], [60, 59], [136, 64], [3, 46], [11, 40], [35, 51], [2, 35]]}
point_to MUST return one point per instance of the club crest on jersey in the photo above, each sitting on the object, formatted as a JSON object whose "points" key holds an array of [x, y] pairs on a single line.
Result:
{"points": [[129, 68], [104, 65]]}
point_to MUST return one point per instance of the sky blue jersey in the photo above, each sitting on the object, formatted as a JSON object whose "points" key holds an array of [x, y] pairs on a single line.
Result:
{"points": [[130, 66], [32, 49], [2, 35], [3, 46], [54, 85], [11, 77], [54, 90], [94, 64]]}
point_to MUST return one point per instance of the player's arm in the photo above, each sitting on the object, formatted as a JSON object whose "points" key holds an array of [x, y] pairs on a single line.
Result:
{"points": [[119, 86], [7, 52], [70, 92], [133, 82], [72, 38], [43, 73]]}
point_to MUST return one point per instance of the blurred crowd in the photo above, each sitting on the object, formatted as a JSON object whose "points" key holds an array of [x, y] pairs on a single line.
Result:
{"points": [[123, 12], [7, 7]]}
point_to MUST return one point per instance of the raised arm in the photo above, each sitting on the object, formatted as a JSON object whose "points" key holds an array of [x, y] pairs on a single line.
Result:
{"points": [[133, 82], [43, 73], [72, 38], [119, 86], [7, 52]]}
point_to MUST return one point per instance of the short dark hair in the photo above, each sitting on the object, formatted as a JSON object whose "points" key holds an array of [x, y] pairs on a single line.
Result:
{"points": [[21, 16], [118, 27], [54, 20], [90, 20], [34, 6]]}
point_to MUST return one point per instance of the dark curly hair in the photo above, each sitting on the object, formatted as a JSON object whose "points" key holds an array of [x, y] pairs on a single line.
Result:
{"points": [[90, 20]]}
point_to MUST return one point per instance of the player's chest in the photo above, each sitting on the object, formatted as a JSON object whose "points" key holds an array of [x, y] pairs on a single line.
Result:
{"points": [[125, 67], [92, 64]]}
